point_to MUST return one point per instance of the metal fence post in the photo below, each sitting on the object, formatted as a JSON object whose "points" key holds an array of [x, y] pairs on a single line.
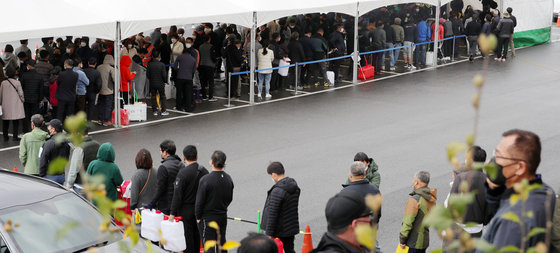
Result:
{"points": [[296, 77], [453, 52]]}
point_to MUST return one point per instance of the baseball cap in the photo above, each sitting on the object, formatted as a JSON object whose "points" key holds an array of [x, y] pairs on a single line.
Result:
{"points": [[343, 208], [56, 124]]}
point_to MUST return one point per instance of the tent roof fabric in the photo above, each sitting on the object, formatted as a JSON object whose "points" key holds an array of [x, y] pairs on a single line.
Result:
{"points": [[98, 18]]}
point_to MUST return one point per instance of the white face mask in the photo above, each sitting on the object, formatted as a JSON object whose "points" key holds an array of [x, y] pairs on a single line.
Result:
{"points": [[188, 45], [292, 26], [83, 44], [341, 30], [180, 35], [173, 40], [129, 46]]}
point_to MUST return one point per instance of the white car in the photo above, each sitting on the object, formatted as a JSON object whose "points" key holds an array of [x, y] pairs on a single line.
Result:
{"points": [[41, 209]]}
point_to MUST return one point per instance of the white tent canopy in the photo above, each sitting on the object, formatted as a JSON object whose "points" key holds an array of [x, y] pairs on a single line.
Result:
{"points": [[98, 18]]}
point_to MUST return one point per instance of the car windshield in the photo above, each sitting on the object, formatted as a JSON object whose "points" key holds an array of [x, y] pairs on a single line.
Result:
{"points": [[39, 223]]}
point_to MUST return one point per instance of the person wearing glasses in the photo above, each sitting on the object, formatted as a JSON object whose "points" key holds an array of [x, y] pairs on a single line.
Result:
{"points": [[413, 233], [517, 158], [344, 212]]}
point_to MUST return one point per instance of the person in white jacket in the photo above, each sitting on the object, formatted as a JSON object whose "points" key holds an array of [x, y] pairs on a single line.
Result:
{"points": [[264, 59]]}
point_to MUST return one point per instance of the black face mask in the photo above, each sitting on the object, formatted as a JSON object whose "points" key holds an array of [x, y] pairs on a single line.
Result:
{"points": [[500, 179]]}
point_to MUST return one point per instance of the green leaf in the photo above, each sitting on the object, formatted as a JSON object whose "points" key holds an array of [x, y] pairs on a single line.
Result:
{"points": [[513, 199], [123, 247], [535, 231], [470, 139], [491, 170], [437, 251], [119, 204], [366, 236], [134, 236], [56, 167], [478, 166], [471, 224], [533, 187], [529, 214], [509, 248], [459, 202], [510, 216], [62, 232], [454, 148], [229, 245], [439, 218], [149, 246], [484, 246]]}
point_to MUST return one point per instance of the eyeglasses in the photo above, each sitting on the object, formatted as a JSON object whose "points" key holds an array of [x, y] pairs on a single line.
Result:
{"points": [[510, 158]]}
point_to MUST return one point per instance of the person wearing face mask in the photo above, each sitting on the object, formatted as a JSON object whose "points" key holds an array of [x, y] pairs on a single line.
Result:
{"points": [[338, 48], [128, 49], [181, 35], [84, 51], [280, 214], [413, 233], [176, 48], [517, 158], [234, 57]]}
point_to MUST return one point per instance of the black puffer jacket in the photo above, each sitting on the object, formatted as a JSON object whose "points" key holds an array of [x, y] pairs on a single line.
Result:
{"points": [[157, 74], [167, 173], [32, 85], [280, 213], [331, 244]]}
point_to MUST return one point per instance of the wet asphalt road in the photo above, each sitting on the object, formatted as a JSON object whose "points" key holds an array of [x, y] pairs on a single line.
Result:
{"points": [[405, 123]]}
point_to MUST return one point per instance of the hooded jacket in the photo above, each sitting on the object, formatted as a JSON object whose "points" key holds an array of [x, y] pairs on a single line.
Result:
{"points": [[126, 75], [29, 148], [413, 233], [166, 175], [372, 174], [107, 71], [105, 166], [280, 213], [331, 244]]}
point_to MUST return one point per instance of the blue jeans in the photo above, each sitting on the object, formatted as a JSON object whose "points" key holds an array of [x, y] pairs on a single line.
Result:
{"points": [[395, 55], [264, 78], [388, 45], [57, 178], [420, 57], [105, 103]]}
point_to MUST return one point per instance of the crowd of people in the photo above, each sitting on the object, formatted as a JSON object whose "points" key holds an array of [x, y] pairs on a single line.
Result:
{"points": [[68, 75], [181, 186]]}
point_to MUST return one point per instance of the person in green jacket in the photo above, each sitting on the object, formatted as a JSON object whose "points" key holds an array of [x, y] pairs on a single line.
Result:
{"points": [[105, 166], [372, 172], [30, 145]]}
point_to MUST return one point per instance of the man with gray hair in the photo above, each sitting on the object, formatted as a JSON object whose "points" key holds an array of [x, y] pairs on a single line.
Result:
{"points": [[413, 233], [30, 145]]}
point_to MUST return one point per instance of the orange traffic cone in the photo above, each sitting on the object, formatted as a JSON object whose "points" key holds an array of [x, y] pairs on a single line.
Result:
{"points": [[558, 21], [307, 241], [15, 169]]}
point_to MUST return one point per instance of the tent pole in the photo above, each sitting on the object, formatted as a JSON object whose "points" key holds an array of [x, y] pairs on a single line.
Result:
{"points": [[436, 35], [253, 60], [117, 86], [356, 57]]}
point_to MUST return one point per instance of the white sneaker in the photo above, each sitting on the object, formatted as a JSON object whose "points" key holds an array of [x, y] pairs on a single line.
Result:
{"points": [[164, 113], [268, 95], [155, 113], [259, 95]]}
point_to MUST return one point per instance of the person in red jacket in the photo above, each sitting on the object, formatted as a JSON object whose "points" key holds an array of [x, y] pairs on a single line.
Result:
{"points": [[126, 77], [441, 34]]}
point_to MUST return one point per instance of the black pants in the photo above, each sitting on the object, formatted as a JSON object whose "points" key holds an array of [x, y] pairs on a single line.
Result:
{"points": [[192, 235], [206, 75], [411, 250], [162, 98], [30, 109], [65, 109], [336, 67], [292, 76], [105, 108], [233, 86], [208, 233], [6, 126], [503, 42], [90, 104], [378, 61], [80, 103], [288, 243], [185, 94]]}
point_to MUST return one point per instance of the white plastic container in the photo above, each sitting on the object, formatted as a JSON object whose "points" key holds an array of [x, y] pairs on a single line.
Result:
{"points": [[151, 224], [173, 232]]}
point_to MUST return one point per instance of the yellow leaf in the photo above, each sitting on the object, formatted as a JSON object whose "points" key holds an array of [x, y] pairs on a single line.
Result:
{"points": [[513, 199], [374, 202], [229, 245], [209, 244], [213, 225], [366, 236]]}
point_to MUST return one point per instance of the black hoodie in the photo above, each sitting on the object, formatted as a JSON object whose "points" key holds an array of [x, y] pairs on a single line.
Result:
{"points": [[280, 213]]}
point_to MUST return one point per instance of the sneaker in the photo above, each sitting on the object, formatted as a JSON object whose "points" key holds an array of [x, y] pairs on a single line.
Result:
{"points": [[307, 87], [205, 99], [259, 96], [393, 69], [108, 123], [212, 99], [300, 87], [155, 113], [291, 87], [268, 95], [471, 58], [234, 99], [164, 113], [383, 68], [326, 85], [503, 59], [497, 59], [317, 84]]}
